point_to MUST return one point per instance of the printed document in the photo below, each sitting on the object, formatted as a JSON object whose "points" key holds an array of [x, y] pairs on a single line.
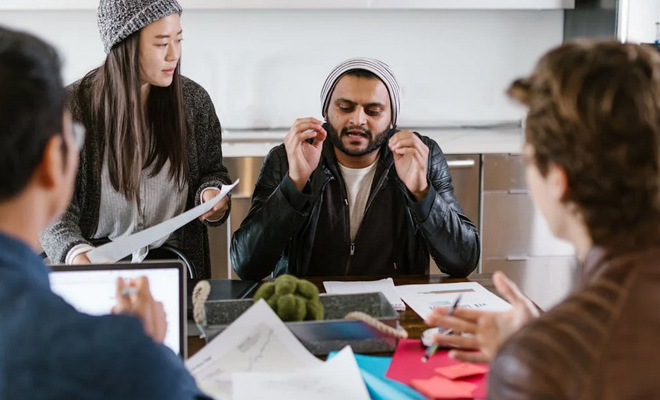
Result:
{"points": [[258, 341], [424, 298], [337, 378]]}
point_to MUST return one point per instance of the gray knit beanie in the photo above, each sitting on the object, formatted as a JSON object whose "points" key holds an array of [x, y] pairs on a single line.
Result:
{"points": [[118, 19], [377, 67]]}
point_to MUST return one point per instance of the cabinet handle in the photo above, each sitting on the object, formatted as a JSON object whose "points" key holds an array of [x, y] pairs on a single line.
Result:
{"points": [[517, 258], [460, 163], [518, 191]]}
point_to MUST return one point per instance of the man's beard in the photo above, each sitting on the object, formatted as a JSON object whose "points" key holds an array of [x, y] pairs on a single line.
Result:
{"points": [[375, 141]]}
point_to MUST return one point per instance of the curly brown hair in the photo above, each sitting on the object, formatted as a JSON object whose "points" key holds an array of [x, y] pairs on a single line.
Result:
{"points": [[594, 111]]}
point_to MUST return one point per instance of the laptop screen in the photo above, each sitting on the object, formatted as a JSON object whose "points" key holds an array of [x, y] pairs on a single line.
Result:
{"points": [[91, 290]]}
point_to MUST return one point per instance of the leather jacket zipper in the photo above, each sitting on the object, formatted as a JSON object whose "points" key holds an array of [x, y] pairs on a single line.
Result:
{"points": [[347, 217], [377, 189]]}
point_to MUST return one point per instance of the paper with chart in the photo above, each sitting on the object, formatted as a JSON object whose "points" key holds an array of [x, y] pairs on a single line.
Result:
{"points": [[385, 286], [120, 248], [258, 341], [424, 298], [337, 378]]}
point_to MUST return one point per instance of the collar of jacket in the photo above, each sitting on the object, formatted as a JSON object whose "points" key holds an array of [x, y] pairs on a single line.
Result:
{"points": [[598, 257]]}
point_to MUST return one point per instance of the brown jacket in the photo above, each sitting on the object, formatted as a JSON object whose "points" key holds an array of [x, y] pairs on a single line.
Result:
{"points": [[601, 343]]}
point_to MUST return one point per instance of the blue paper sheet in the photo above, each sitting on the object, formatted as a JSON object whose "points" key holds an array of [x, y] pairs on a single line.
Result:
{"points": [[373, 371]]}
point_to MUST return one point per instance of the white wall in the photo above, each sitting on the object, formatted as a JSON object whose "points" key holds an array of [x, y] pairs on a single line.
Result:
{"points": [[265, 68]]}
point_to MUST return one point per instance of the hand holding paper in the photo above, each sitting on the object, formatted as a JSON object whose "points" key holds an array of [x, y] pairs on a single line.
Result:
{"points": [[218, 210], [117, 250]]}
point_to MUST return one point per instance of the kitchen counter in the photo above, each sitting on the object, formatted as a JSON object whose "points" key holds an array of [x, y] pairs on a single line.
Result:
{"points": [[245, 143]]}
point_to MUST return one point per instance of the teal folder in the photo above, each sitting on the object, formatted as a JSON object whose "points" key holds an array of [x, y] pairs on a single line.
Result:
{"points": [[373, 370]]}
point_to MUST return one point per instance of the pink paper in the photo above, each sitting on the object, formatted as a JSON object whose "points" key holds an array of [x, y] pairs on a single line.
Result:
{"points": [[443, 388], [407, 366], [462, 370]]}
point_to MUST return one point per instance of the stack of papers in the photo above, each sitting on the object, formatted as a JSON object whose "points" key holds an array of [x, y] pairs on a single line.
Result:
{"points": [[257, 356], [338, 378], [424, 298], [385, 286]]}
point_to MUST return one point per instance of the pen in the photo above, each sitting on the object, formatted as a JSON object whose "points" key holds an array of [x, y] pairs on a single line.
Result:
{"points": [[129, 291], [433, 348]]}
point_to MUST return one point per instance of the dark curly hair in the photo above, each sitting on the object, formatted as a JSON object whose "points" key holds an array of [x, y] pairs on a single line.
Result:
{"points": [[594, 111]]}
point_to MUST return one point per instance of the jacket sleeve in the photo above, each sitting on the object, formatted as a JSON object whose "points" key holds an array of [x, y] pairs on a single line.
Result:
{"points": [[452, 238], [540, 362], [511, 378], [65, 233], [125, 362], [278, 211], [208, 135]]}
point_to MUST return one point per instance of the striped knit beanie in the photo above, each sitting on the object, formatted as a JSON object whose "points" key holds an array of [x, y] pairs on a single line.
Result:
{"points": [[118, 19], [377, 67]]}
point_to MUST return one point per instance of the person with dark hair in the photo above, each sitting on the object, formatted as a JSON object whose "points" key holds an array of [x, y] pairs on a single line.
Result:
{"points": [[153, 147], [48, 350], [593, 168], [370, 200]]}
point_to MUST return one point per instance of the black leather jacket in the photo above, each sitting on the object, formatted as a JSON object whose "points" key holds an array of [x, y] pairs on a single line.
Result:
{"points": [[307, 234]]}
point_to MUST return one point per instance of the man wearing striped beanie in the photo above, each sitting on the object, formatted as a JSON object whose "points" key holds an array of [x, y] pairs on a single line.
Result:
{"points": [[370, 200]]}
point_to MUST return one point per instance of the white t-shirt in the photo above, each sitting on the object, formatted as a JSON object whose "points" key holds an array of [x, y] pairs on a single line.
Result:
{"points": [[358, 185]]}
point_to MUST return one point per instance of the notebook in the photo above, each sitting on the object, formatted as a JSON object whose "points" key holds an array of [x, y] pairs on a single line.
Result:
{"points": [[91, 290]]}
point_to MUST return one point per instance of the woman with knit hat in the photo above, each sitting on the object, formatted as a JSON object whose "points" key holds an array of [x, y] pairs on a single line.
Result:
{"points": [[153, 147]]}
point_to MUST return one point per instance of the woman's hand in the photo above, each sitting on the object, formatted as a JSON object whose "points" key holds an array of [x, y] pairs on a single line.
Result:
{"points": [[484, 331], [218, 210], [80, 259]]}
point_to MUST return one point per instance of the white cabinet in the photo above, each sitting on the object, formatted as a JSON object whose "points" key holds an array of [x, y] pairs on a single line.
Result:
{"points": [[516, 239], [545, 280], [309, 4]]}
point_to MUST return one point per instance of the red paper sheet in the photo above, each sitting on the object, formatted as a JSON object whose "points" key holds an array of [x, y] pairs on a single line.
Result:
{"points": [[443, 388], [462, 370], [407, 365]]}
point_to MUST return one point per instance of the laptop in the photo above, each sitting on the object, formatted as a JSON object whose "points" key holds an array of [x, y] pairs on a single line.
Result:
{"points": [[91, 290]]}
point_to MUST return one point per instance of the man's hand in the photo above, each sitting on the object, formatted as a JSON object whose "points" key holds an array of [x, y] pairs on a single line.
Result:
{"points": [[304, 157], [487, 331], [410, 160], [218, 210], [142, 305]]}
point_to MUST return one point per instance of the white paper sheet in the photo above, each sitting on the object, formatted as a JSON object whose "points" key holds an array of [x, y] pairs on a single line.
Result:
{"points": [[118, 249], [258, 341], [424, 298], [385, 286], [337, 378]]}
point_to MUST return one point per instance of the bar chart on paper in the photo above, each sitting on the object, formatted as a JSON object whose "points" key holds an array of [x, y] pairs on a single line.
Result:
{"points": [[424, 298]]}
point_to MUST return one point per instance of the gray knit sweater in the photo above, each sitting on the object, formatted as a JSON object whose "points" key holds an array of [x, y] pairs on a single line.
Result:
{"points": [[79, 223]]}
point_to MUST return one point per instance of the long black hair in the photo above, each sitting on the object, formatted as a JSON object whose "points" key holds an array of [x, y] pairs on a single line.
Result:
{"points": [[136, 139]]}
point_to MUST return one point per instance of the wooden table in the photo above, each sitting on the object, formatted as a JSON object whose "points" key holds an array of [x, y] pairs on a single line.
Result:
{"points": [[409, 319]]}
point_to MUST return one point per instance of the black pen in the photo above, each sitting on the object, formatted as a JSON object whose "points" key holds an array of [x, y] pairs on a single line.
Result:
{"points": [[434, 347]]}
